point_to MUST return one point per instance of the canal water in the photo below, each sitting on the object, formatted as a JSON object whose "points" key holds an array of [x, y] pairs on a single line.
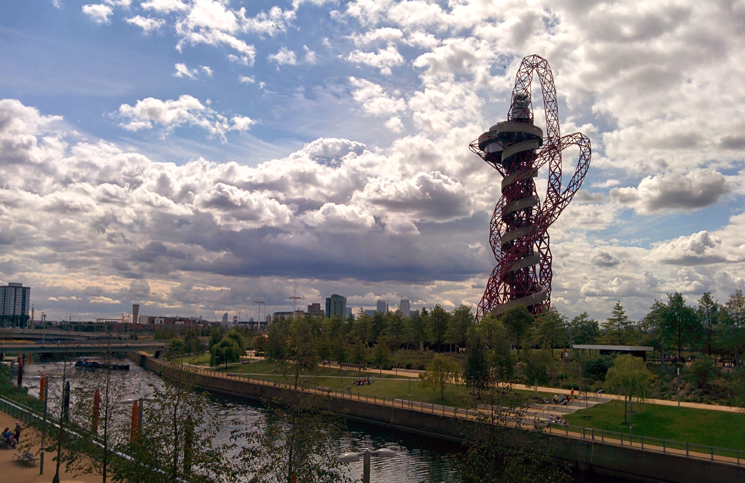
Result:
{"points": [[418, 459]]}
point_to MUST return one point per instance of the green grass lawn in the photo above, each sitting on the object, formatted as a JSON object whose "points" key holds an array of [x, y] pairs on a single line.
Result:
{"points": [[699, 426]]}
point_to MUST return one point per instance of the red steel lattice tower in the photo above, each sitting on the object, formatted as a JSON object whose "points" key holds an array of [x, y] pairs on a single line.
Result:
{"points": [[518, 230]]}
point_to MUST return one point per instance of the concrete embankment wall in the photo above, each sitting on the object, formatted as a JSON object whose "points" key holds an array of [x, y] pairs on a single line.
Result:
{"points": [[624, 462]]}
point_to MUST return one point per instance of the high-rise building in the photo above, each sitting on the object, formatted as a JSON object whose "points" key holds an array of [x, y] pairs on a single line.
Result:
{"points": [[15, 301], [349, 312], [225, 318], [314, 309], [336, 305], [135, 313], [405, 307], [370, 312], [382, 306]]}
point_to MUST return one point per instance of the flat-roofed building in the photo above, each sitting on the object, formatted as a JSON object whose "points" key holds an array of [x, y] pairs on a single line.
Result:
{"points": [[15, 302], [405, 307], [336, 305], [382, 306], [636, 350]]}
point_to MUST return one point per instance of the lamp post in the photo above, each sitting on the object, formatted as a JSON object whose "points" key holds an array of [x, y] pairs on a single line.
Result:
{"points": [[366, 457]]}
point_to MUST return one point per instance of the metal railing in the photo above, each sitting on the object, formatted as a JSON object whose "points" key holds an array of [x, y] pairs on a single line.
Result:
{"points": [[645, 443]]}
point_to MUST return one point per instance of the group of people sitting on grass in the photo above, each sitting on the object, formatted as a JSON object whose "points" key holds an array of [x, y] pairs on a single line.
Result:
{"points": [[365, 381], [557, 420], [11, 439]]}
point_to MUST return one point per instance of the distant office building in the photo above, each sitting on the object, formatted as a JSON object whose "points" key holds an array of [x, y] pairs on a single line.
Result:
{"points": [[336, 305], [143, 319], [370, 312], [15, 302], [382, 306], [349, 312], [225, 318], [135, 313], [315, 310], [287, 315], [405, 307]]}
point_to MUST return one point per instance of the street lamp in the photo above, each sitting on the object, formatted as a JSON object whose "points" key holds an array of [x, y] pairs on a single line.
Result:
{"points": [[366, 454]]}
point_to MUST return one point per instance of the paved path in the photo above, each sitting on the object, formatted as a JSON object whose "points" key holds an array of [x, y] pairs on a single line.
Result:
{"points": [[15, 472]]}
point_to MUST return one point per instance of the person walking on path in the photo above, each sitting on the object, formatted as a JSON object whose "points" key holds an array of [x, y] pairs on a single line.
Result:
{"points": [[17, 434]]}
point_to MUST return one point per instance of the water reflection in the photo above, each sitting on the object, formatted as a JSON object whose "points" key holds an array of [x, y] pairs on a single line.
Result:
{"points": [[419, 459]]}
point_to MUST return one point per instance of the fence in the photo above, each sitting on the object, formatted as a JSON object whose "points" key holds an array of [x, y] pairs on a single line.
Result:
{"points": [[645, 443]]}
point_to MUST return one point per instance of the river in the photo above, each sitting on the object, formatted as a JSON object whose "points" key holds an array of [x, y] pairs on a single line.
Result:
{"points": [[418, 459]]}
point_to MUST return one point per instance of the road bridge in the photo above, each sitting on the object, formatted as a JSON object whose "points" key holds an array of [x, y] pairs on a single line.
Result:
{"points": [[78, 347]]}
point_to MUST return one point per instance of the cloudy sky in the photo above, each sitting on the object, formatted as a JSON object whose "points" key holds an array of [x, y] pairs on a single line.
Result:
{"points": [[191, 154]]}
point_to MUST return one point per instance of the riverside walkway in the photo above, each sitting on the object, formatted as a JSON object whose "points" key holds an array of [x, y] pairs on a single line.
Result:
{"points": [[16, 472], [584, 435]]}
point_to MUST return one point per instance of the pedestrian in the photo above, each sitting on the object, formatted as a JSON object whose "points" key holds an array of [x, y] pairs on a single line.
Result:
{"points": [[17, 434]]}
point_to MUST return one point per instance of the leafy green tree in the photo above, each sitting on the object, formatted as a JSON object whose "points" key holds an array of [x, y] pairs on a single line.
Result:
{"points": [[457, 331], [584, 329], [416, 330], [710, 314], [380, 354], [595, 367], [550, 329], [301, 348], [193, 342], [395, 330], [171, 418], [175, 348], [732, 337], [359, 352], [437, 325], [295, 442], [678, 323], [276, 345], [376, 328], [439, 372], [99, 433], [238, 338], [618, 324], [225, 352], [362, 327], [536, 368], [216, 335], [518, 321], [630, 378], [500, 449], [476, 369]]}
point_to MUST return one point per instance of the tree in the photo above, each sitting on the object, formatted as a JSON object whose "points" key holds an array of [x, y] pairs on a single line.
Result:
{"points": [[295, 442], [238, 338], [710, 314], [461, 320], [301, 348], [100, 431], [679, 324], [380, 353], [216, 335], [359, 352], [536, 368], [167, 449], [193, 342], [500, 449], [476, 369], [439, 372], [225, 351], [630, 378], [518, 321], [417, 330], [584, 329], [175, 348], [395, 330], [733, 337], [618, 323], [276, 345], [550, 329], [437, 325]]}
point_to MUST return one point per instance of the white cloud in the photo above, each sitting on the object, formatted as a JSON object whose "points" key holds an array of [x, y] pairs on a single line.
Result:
{"points": [[183, 71], [172, 113], [245, 79], [310, 56], [99, 13], [164, 6], [692, 191], [374, 100], [284, 57], [383, 59], [146, 24]]}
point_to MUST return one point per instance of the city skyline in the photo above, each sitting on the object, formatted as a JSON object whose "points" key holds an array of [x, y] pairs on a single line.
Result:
{"points": [[192, 155]]}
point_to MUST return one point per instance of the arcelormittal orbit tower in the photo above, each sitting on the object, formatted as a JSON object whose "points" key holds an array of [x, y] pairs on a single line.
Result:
{"points": [[518, 235]]}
